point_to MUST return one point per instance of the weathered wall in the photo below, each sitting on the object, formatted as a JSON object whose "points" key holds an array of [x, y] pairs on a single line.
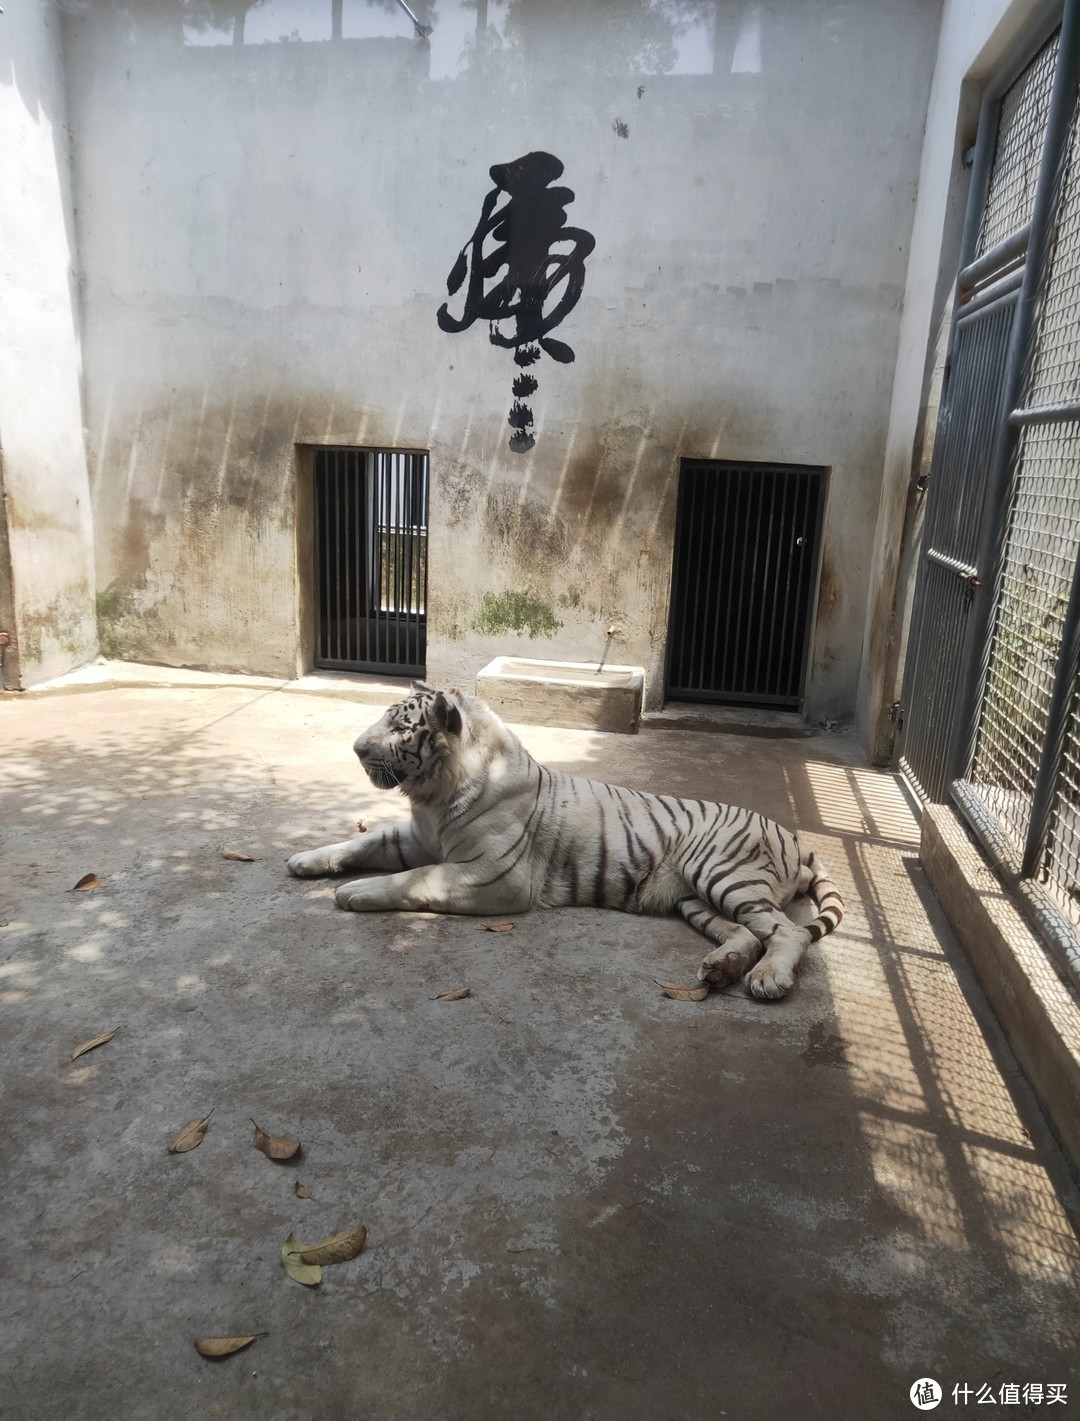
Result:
{"points": [[974, 36], [267, 230], [46, 544]]}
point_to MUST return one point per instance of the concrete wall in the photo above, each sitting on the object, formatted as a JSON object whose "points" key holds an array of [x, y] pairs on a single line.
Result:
{"points": [[267, 229], [46, 543], [975, 36]]}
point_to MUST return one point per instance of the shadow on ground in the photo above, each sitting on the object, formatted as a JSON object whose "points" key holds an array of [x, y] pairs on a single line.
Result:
{"points": [[583, 1199]]}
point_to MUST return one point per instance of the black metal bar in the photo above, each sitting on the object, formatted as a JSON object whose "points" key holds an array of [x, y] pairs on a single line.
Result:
{"points": [[371, 557], [737, 560], [356, 599], [783, 554], [762, 630], [808, 569], [787, 637], [382, 639], [407, 548], [320, 546], [690, 623], [336, 577], [397, 534], [714, 610]]}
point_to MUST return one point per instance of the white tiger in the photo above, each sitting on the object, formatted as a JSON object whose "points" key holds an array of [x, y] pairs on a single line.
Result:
{"points": [[494, 831]]}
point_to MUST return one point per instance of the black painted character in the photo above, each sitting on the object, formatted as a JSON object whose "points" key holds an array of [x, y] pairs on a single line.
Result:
{"points": [[536, 254]]}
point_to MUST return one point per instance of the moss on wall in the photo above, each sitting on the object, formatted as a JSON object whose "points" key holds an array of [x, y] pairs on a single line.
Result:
{"points": [[515, 612]]}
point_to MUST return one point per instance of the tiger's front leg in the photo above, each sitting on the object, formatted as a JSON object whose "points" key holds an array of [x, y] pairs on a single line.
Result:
{"points": [[393, 848], [437, 888]]}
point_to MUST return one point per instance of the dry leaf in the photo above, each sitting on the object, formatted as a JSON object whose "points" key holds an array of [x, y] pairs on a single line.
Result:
{"points": [[338, 1248], [88, 881], [498, 927], [697, 993], [82, 1049], [224, 1346], [361, 826], [237, 856], [301, 1190], [190, 1135], [276, 1147], [307, 1273], [455, 996]]}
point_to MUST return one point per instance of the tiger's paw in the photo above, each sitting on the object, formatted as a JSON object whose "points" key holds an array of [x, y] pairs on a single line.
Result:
{"points": [[354, 897], [769, 982], [309, 864], [722, 966]]}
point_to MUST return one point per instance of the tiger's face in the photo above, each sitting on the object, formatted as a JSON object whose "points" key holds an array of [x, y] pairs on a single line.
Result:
{"points": [[406, 745]]}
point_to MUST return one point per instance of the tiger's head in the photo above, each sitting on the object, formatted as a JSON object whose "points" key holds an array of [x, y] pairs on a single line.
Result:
{"points": [[406, 747]]}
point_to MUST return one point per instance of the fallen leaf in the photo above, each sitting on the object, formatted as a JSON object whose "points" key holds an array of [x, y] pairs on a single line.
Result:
{"points": [[88, 881], [455, 996], [498, 927], [301, 1190], [224, 1346], [85, 1046], [307, 1273], [237, 856], [684, 994], [190, 1135], [277, 1147], [361, 826], [338, 1248]]}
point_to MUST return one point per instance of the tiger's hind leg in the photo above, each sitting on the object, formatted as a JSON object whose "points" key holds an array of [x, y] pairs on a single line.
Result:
{"points": [[738, 948]]}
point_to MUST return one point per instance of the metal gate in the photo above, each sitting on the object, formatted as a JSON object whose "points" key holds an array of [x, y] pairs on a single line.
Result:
{"points": [[991, 693], [743, 579], [371, 509]]}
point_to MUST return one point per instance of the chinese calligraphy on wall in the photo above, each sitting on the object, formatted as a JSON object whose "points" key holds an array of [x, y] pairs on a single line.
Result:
{"points": [[522, 270]]}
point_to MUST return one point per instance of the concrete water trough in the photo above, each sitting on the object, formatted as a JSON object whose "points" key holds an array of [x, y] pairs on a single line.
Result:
{"points": [[574, 694]]}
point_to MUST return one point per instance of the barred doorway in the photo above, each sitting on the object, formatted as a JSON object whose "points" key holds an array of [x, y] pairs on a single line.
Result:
{"points": [[744, 575], [371, 514], [991, 698]]}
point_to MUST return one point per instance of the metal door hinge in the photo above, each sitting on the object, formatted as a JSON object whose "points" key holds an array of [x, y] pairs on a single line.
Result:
{"points": [[896, 713]]}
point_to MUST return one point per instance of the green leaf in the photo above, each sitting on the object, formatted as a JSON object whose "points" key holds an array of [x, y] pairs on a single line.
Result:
{"points": [[307, 1273]]}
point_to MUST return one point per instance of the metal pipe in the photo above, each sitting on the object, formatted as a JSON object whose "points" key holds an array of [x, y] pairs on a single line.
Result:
{"points": [[422, 30], [1046, 414], [1011, 249]]}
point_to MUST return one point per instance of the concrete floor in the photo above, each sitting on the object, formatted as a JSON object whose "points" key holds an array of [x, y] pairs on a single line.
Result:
{"points": [[582, 1199]]}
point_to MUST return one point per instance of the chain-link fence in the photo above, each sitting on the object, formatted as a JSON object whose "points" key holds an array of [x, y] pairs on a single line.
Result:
{"points": [[1013, 756]]}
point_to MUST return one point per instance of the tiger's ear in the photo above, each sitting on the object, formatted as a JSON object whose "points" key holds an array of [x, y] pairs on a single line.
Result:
{"points": [[421, 686], [447, 715]]}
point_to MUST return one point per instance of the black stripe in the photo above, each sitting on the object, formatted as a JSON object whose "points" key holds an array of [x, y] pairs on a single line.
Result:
{"points": [[598, 897], [763, 903]]}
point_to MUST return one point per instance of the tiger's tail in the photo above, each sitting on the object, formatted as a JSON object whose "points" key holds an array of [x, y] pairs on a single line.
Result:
{"points": [[825, 894]]}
